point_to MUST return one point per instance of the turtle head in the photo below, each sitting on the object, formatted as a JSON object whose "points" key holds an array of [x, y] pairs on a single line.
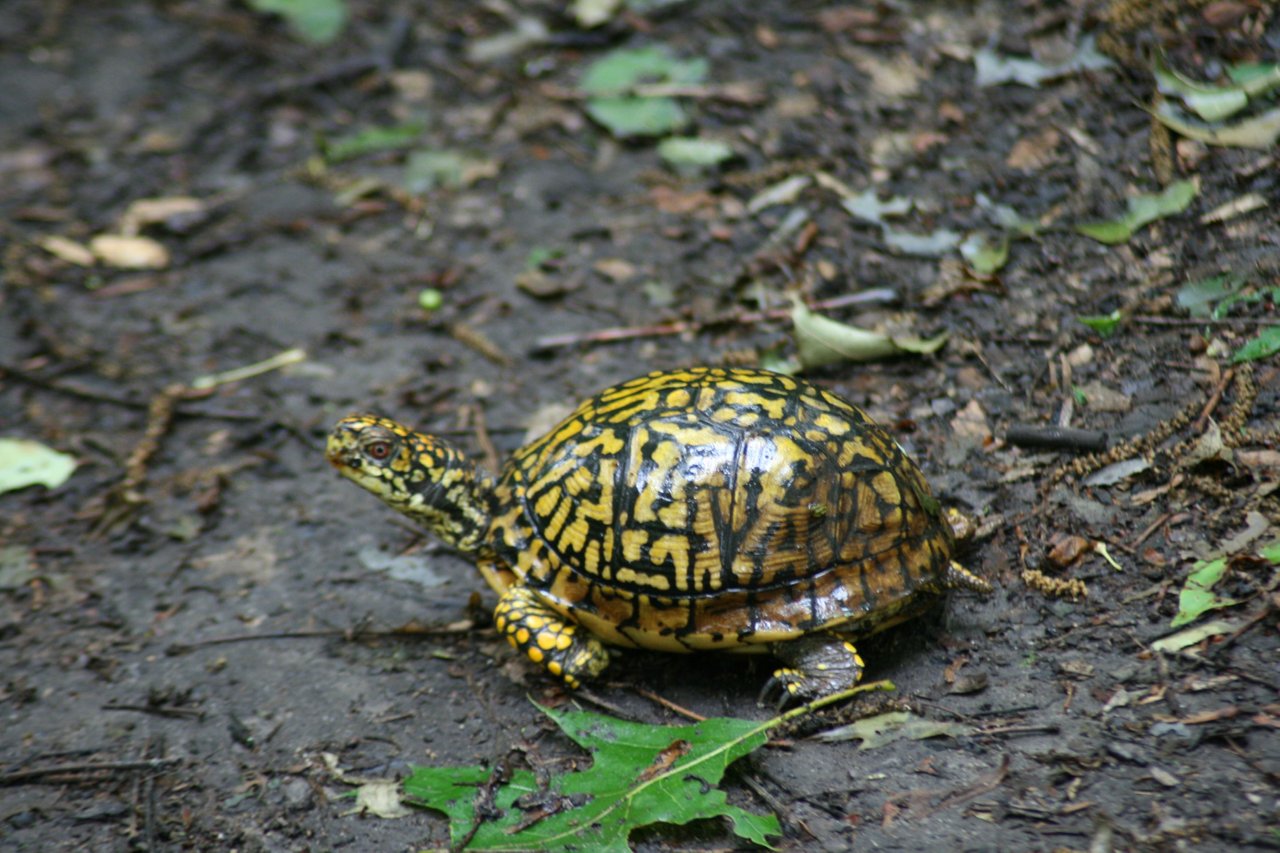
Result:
{"points": [[419, 475]]}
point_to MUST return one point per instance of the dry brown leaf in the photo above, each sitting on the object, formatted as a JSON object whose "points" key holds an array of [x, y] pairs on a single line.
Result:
{"points": [[899, 76], [149, 211], [971, 423], [131, 253], [66, 249], [669, 200], [1033, 153], [1067, 548], [617, 269]]}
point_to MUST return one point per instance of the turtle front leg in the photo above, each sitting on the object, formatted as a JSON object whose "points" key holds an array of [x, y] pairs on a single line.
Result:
{"points": [[560, 647], [816, 665]]}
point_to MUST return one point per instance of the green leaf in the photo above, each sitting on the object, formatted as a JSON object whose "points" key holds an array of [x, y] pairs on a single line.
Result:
{"points": [[612, 77], [621, 70], [1259, 132], [1103, 324], [638, 116], [373, 139], [315, 21], [1267, 343], [639, 775], [427, 169], [983, 255], [28, 463], [991, 69], [821, 340], [1198, 296], [694, 153], [882, 729], [1194, 636], [1197, 596], [932, 245], [1211, 103], [1256, 78], [1142, 210]]}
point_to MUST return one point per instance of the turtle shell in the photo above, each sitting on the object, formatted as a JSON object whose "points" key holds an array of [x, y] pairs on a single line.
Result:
{"points": [[713, 508]]}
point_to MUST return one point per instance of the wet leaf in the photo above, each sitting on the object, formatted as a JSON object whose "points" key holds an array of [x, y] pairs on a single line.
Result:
{"points": [[1117, 472], [527, 32], [1194, 636], [315, 21], [1259, 132], [1142, 210], [1267, 343], [1103, 324], [1197, 597], [639, 775], [611, 77], [17, 567], [983, 255], [373, 139], [693, 153], [882, 729], [638, 116], [593, 13], [931, 245], [1199, 296], [868, 207], [426, 170], [1211, 103], [29, 463], [783, 192], [821, 340], [992, 69]]}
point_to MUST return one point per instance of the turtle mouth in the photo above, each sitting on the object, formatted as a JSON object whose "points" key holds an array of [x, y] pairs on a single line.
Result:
{"points": [[341, 454]]}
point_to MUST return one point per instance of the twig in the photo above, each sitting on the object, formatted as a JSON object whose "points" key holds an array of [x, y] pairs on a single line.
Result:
{"points": [[21, 776], [679, 327], [1224, 321], [1057, 438], [1212, 403], [667, 703], [461, 627], [738, 93]]}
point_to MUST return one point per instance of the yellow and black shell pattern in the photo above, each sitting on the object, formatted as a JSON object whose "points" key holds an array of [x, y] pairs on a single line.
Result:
{"points": [[719, 508]]}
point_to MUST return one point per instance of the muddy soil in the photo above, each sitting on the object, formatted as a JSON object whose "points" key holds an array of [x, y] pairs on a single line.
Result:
{"points": [[203, 612]]}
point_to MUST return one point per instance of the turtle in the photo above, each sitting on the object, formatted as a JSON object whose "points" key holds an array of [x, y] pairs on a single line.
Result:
{"points": [[686, 510]]}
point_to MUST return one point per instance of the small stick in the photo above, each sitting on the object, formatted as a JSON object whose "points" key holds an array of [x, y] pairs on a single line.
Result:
{"points": [[1225, 321], [461, 627], [20, 776], [1057, 438], [678, 327], [1214, 399], [668, 704]]}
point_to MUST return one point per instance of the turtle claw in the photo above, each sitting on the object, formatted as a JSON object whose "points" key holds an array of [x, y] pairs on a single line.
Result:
{"points": [[817, 665]]}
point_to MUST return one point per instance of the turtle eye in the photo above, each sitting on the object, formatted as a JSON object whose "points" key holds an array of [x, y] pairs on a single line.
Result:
{"points": [[378, 450]]}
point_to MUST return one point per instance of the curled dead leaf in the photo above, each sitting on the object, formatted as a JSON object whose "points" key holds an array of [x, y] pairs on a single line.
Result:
{"points": [[133, 253]]}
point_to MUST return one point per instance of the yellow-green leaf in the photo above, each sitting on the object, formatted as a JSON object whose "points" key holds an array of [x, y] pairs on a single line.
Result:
{"points": [[28, 463], [1142, 210]]}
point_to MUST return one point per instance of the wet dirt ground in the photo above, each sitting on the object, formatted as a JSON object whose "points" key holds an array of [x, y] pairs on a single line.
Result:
{"points": [[203, 611]]}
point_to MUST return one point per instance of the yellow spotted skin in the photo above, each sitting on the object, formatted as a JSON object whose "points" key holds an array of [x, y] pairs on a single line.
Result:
{"points": [[685, 510]]}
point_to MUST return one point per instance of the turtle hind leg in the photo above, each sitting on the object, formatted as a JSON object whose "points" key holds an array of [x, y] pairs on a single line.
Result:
{"points": [[560, 647], [816, 665], [957, 576]]}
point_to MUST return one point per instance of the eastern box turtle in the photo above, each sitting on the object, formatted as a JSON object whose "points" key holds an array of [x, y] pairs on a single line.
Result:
{"points": [[684, 510]]}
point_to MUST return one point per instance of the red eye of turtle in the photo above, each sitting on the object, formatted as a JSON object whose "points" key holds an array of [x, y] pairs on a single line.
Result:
{"points": [[378, 450]]}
